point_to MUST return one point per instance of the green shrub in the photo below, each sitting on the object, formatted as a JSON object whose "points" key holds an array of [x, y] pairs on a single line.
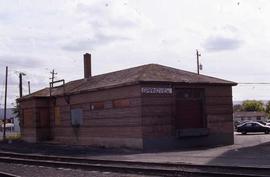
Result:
{"points": [[14, 137]]}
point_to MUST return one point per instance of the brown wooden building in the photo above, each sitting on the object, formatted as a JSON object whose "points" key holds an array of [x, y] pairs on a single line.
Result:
{"points": [[145, 107]]}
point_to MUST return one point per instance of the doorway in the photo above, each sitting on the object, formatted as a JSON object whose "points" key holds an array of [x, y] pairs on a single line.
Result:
{"points": [[189, 108]]}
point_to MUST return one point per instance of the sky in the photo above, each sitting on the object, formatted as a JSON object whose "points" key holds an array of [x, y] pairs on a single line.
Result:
{"points": [[232, 36]]}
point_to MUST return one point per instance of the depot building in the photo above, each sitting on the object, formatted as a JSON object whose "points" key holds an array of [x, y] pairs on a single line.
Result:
{"points": [[145, 107]]}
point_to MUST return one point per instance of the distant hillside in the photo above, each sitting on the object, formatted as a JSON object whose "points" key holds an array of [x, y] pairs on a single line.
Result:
{"points": [[9, 113]]}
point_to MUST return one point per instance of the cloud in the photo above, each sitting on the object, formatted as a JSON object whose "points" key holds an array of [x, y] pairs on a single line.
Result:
{"points": [[5, 18], [20, 61], [220, 43], [97, 40], [12, 78], [102, 23], [101, 14]]}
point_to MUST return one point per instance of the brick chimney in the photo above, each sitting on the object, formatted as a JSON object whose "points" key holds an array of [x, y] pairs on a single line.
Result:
{"points": [[87, 65]]}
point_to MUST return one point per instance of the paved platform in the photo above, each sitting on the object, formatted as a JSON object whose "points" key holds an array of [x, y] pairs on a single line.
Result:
{"points": [[248, 150]]}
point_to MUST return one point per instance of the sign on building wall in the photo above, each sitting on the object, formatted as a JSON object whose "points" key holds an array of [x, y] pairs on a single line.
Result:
{"points": [[155, 90], [76, 117]]}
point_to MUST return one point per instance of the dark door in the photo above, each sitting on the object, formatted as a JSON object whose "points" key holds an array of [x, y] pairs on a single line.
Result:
{"points": [[189, 114], [43, 124], [189, 109]]}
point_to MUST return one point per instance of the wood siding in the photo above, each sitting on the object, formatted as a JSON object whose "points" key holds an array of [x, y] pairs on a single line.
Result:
{"points": [[122, 117], [35, 119], [157, 113], [28, 129], [107, 114], [219, 109]]}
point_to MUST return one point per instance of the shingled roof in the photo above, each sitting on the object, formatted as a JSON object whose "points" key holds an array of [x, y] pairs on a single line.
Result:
{"points": [[144, 73]]}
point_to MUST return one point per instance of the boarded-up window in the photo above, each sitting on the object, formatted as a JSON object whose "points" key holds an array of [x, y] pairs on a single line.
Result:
{"points": [[121, 103], [57, 116], [97, 106], [28, 117], [76, 117]]}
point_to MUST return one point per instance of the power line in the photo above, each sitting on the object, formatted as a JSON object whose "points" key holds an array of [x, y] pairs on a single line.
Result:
{"points": [[254, 83]]}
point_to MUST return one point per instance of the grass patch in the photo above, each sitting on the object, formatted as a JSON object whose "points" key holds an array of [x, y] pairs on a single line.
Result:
{"points": [[14, 137]]}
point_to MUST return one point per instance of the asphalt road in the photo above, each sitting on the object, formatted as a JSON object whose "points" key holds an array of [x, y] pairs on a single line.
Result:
{"points": [[250, 139]]}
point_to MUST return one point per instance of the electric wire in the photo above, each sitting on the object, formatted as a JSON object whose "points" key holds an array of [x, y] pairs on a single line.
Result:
{"points": [[254, 83]]}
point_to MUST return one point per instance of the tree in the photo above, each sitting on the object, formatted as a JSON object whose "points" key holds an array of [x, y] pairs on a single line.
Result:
{"points": [[16, 110], [267, 108], [237, 108], [253, 105]]}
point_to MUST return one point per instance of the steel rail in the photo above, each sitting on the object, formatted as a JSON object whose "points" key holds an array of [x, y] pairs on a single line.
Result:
{"points": [[4, 174], [167, 169]]}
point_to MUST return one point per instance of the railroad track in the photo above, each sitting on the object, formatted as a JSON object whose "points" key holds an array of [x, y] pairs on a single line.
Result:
{"points": [[4, 174], [163, 169]]}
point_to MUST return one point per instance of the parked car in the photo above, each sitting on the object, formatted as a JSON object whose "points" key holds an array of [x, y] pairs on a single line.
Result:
{"points": [[262, 122], [236, 123], [253, 127]]}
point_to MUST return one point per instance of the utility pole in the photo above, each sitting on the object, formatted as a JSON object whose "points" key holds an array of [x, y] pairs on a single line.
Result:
{"points": [[29, 91], [198, 61], [5, 107], [53, 76]]}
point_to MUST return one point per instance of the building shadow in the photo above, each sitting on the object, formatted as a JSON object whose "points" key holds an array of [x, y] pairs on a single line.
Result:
{"points": [[83, 151], [256, 155], [62, 150]]}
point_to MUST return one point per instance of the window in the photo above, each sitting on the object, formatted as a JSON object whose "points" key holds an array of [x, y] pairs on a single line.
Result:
{"points": [[76, 117], [122, 103], [258, 117], [248, 125], [97, 106]]}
